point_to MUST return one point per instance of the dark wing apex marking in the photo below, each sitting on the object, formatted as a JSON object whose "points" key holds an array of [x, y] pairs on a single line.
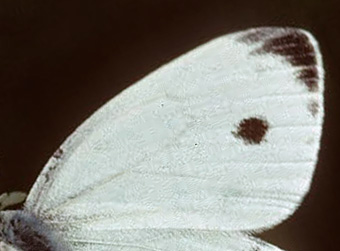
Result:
{"points": [[314, 107], [257, 35], [310, 77], [292, 44]]}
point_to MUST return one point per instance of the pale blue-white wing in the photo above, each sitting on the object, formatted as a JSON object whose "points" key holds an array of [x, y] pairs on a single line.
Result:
{"points": [[225, 137], [165, 240]]}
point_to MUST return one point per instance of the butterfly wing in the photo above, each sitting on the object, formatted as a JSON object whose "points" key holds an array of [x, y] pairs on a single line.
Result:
{"points": [[166, 240], [225, 137]]}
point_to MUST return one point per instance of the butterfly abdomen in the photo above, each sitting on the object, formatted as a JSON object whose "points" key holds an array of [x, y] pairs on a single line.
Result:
{"points": [[25, 232]]}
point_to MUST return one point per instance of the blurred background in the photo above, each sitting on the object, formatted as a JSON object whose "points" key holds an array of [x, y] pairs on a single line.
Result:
{"points": [[61, 60]]}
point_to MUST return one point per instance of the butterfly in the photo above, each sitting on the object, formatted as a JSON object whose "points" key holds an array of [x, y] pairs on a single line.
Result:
{"points": [[216, 145]]}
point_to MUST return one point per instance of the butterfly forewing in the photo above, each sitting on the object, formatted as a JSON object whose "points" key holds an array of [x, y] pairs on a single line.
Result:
{"points": [[223, 138]]}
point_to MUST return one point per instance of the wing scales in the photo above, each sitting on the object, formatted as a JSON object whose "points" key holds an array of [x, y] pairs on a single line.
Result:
{"points": [[181, 149], [163, 240]]}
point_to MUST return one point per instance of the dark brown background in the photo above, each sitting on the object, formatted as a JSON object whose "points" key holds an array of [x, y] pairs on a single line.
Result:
{"points": [[60, 60]]}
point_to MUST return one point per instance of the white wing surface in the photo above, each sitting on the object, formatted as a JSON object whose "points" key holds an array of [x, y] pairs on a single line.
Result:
{"points": [[166, 240], [225, 137]]}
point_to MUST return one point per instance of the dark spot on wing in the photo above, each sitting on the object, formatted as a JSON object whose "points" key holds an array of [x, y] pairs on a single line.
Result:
{"points": [[47, 177], [313, 107], [49, 172], [292, 44], [252, 130], [52, 168], [57, 154]]}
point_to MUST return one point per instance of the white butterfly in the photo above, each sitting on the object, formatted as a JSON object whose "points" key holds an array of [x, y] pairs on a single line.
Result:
{"points": [[219, 143]]}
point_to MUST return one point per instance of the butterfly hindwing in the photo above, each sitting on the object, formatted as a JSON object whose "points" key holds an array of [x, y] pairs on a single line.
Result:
{"points": [[165, 240]]}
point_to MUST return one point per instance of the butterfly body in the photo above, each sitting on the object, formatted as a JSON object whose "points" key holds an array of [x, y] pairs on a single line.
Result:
{"points": [[219, 143], [24, 231]]}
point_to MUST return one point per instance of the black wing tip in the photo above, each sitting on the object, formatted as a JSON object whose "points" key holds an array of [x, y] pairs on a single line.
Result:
{"points": [[297, 46]]}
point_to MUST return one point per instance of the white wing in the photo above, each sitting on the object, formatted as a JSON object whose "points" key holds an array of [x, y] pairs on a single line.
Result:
{"points": [[223, 138], [165, 240]]}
